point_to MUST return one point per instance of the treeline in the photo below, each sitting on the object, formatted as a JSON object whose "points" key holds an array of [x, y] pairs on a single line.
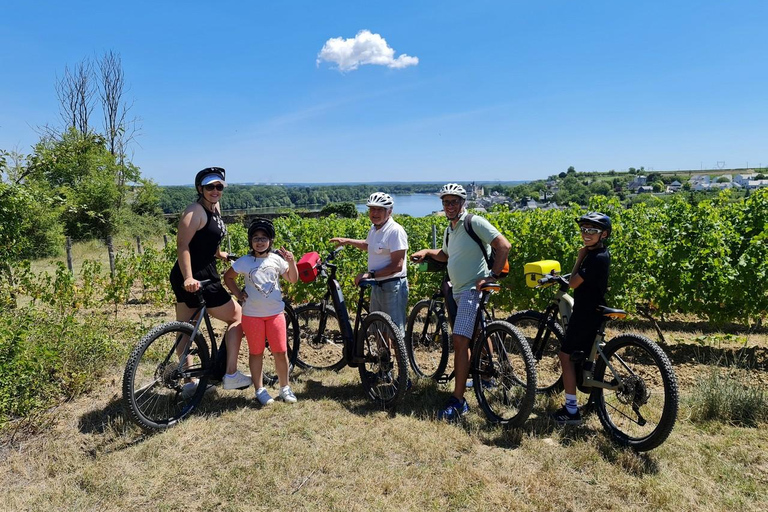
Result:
{"points": [[174, 199]]}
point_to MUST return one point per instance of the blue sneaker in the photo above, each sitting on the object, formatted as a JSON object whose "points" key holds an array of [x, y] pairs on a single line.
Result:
{"points": [[454, 409]]}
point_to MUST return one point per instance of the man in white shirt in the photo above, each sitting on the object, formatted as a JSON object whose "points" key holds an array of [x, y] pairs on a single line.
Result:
{"points": [[386, 244]]}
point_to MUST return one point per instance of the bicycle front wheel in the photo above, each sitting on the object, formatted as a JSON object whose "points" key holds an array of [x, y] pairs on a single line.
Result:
{"points": [[159, 390], [269, 371], [545, 340], [641, 412], [426, 340], [385, 371], [322, 345], [504, 374]]}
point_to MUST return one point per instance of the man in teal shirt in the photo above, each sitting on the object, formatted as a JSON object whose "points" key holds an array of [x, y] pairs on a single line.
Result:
{"points": [[468, 272]]}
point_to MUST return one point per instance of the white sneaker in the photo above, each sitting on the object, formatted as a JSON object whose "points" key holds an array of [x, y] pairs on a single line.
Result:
{"points": [[286, 395], [188, 390], [262, 395], [239, 381]]}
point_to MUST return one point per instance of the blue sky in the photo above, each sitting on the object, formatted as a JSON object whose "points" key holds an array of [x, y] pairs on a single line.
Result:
{"points": [[514, 90]]}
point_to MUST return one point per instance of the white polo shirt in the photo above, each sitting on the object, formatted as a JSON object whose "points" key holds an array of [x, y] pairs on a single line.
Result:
{"points": [[382, 243]]}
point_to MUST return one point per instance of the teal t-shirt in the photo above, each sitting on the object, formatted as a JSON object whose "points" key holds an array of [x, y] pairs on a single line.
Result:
{"points": [[466, 263]]}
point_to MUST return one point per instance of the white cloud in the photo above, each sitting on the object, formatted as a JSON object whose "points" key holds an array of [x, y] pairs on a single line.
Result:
{"points": [[364, 48]]}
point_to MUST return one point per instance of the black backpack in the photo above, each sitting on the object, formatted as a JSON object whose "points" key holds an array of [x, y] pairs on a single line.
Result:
{"points": [[489, 259]]}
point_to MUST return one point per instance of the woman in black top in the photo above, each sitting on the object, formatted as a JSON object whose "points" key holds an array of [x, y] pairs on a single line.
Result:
{"points": [[200, 233]]}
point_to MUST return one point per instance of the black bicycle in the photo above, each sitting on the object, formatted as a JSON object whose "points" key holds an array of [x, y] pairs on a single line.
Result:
{"points": [[427, 336], [159, 380], [375, 345], [629, 379]]}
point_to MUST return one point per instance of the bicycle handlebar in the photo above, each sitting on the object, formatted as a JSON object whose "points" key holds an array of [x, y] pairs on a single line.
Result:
{"points": [[555, 278]]}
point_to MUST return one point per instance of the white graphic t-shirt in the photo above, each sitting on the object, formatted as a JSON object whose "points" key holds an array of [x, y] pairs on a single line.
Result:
{"points": [[262, 284]]}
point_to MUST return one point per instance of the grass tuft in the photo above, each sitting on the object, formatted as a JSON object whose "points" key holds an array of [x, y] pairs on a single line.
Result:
{"points": [[730, 396]]}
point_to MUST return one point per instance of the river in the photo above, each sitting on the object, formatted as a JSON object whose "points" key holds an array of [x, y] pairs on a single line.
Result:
{"points": [[415, 205]]}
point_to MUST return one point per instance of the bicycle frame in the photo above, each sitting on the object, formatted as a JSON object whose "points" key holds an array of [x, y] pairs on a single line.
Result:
{"points": [[353, 351], [202, 315], [562, 303]]}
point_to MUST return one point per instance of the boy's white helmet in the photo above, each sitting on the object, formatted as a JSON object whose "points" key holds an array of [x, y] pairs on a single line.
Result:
{"points": [[381, 200], [453, 189]]}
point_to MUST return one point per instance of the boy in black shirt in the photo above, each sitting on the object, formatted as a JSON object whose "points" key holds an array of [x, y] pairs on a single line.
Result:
{"points": [[589, 279]]}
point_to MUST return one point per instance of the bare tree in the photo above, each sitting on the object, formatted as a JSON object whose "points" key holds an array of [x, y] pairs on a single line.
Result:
{"points": [[118, 129], [75, 91]]}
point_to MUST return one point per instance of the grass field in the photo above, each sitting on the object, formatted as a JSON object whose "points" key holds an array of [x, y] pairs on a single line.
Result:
{"points": [[333, 450]]}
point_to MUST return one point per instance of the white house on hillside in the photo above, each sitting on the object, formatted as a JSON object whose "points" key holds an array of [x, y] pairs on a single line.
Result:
{"points": [[673, 187], [743, 179]]}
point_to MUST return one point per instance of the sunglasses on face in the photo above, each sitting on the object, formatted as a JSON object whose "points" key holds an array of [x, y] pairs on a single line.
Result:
{"points": [[259, 240], [591, 231], [212, 187], [452, 202]]}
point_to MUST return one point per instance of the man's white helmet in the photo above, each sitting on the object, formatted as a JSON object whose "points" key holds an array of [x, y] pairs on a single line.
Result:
{"points": [[381, 200], [453, 189]]}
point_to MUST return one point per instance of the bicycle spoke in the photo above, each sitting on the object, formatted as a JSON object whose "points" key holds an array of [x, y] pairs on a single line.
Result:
{"points": [[504, 375], [155, 376], [642, 408], [427, 341]]}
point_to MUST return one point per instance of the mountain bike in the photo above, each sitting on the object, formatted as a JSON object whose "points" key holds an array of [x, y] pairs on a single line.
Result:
{"points": [[629, 379], [501, 363], [375, 345], [177, 353], [502, 366], [427, 338]]}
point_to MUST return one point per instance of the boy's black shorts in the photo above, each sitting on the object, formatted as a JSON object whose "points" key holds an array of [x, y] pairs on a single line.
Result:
{"points": [[581, 333]]}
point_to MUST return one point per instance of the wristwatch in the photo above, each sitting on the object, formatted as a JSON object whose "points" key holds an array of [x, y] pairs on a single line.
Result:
{"points": [[372, 273], [495, 275]]}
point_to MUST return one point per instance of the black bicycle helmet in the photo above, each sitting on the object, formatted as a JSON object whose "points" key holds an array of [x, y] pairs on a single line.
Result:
{"points": [[210, 170], [598, 219], [264, 225]]}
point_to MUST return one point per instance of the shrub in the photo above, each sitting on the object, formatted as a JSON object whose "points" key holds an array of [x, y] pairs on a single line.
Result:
{"points": [[727, 396], [45, 355]]}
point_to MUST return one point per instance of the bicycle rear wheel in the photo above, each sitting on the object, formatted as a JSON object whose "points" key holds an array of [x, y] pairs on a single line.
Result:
{"points": [[320, 350], [426, 340], [545, 341], [385, 371], [269, 371], [504, 373], [642, 411], [157, 389]]}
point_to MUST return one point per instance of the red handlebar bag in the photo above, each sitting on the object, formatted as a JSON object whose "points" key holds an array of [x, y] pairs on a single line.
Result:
{"points": [[307, 266]]}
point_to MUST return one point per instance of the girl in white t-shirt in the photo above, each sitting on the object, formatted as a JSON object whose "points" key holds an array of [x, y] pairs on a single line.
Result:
{"points": [[263, 317]]}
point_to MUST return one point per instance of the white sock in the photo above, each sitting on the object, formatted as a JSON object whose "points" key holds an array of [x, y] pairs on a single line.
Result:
{"points": [[571, 405]]}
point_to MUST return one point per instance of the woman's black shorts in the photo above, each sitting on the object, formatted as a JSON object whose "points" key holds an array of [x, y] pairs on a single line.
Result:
{"points": [[214, 293]]}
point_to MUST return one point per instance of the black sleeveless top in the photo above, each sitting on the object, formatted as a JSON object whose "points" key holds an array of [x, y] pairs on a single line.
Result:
{"points": [[202, 251], [206, 241]]}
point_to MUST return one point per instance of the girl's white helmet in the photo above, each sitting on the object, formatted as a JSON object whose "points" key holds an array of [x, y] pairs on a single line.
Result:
{"points": [[453, 189], [381, 200]]}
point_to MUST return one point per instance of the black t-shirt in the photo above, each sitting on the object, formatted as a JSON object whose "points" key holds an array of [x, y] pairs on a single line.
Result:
{"points": [[594, 270]]}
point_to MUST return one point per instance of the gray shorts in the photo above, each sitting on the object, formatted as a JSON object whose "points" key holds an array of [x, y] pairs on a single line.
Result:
{"points": [[391, 298], [467, 302]]}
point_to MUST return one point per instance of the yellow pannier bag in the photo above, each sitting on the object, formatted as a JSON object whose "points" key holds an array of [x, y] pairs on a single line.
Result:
{"points": [[536, 270]]}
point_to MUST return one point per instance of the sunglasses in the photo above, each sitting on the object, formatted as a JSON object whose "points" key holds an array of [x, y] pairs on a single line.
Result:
{"points": [[591, 231], [452, 202], [211, 187], [259, 239]]}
